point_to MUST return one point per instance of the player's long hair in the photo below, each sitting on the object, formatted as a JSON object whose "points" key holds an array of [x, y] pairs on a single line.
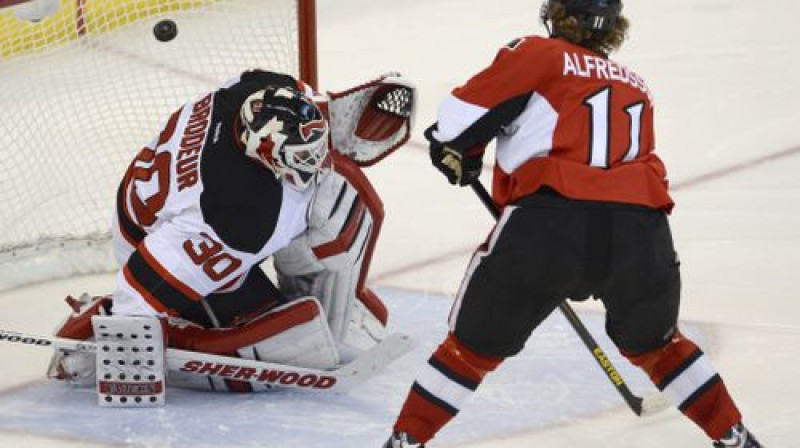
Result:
{"points": [[569, 28]]}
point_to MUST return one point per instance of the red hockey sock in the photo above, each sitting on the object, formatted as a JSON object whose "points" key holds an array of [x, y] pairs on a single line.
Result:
{"points": [[686, 376], [451, 376]]}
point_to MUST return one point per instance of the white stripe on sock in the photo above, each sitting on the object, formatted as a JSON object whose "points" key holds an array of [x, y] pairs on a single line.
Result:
{"points": [[687, 383], [443, 387]]}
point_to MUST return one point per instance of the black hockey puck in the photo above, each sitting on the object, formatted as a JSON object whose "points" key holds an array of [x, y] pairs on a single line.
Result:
{"points": [[165, 30]]}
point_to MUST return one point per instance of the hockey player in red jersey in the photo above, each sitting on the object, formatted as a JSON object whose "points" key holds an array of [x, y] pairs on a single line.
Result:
{"points": [[584, 203], [238, 176]]}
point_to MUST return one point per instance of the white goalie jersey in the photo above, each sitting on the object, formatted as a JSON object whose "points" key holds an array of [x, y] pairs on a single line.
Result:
{"points": [[195, 222]]}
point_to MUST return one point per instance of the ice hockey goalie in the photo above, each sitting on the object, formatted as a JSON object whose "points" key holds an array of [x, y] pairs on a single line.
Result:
{"points": [[239, 233]]}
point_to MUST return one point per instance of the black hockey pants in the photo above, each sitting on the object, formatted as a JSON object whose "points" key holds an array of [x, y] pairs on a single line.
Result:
{"points": [[547, 248]]}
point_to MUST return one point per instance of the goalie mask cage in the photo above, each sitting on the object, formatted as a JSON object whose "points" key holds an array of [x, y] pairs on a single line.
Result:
{"points": [[84, 84]]}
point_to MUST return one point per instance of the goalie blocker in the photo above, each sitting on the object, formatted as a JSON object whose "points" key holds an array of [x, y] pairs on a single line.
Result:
{"points": [[130, 361], [329, 261]]}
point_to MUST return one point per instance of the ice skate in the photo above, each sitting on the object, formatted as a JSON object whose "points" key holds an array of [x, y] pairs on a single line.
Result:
{"points": [[402, 440], [738, 437]]}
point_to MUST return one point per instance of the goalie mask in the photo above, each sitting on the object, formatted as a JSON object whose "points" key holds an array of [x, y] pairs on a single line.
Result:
{"points": [[287, 133]]}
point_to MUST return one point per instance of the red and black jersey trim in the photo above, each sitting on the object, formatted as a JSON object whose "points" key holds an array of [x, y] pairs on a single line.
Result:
{"points": [[156, 285], [131, 231], [423, 393], [514, 43], [487, 127]]}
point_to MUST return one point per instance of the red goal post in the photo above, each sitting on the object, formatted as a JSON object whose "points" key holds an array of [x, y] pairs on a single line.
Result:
{"points": [[84, 84]]}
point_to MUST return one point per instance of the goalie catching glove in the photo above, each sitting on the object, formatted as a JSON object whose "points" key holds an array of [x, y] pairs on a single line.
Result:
{"points": [[370, 121]]}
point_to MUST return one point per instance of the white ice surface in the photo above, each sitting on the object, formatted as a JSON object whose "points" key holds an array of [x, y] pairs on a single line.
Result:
{"points": [[724, 73], [554, 381]]}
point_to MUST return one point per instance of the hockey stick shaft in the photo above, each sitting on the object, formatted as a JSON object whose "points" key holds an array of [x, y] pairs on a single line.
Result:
{"points": [[633, 401], [340, 379]]}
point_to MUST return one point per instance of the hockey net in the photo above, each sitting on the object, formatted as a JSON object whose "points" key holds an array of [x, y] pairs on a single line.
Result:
{"points": [[84, 84]]}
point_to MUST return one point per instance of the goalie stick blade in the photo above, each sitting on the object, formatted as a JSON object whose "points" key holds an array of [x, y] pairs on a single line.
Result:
{"points": [[376, 359], [340, 379], [653, 404]]}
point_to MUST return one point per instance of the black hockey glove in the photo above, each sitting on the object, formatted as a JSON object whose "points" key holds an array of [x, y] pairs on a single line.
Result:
{"points": [[460, 168]]}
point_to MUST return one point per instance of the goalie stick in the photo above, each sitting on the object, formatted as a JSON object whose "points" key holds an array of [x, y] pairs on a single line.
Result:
{"points": [[340, 379], [641, 406]]}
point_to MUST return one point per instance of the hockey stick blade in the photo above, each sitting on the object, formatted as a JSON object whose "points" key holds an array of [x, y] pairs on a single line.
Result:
{"points": [[653, 404], [340, 379]]}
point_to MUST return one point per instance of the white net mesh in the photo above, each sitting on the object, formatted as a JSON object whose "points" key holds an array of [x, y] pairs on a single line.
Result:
{"points": [[82, 90]]}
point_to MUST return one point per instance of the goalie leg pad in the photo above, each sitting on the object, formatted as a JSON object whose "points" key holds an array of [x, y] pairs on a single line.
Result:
{"points": [[295, 334], [331, 259], [363, 329], [130, 361], [77, 368], [78, 325], [307, 344]]}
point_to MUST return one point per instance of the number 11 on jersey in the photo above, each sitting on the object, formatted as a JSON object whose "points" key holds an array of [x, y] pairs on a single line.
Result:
{"points": [[599, 105]]}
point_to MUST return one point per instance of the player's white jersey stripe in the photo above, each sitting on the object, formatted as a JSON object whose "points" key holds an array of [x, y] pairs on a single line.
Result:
{"points": [[529, 135], [460, 115]]}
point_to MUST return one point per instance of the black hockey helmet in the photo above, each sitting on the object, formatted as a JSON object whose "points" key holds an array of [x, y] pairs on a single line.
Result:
{"points": [[593, 15]]}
